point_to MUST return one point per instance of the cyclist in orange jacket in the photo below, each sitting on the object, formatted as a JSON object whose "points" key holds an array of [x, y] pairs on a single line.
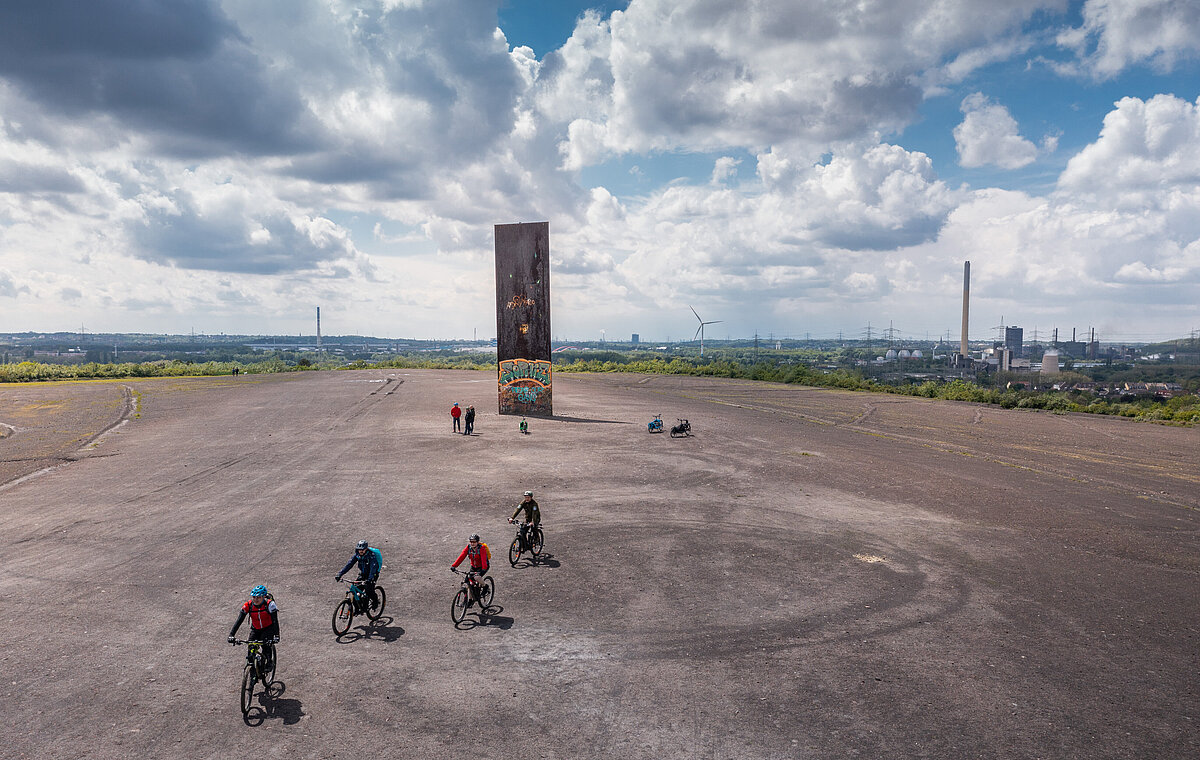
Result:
{"points": [[481, 560]]}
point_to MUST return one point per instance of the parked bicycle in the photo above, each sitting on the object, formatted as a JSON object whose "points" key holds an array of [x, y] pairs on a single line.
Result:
{"points": [[262, 659], [682, 429], [528, 539], [357, 603], [655, 425], [471, 591]]}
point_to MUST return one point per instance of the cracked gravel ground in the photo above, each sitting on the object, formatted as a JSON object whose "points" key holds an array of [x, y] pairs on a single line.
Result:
{"points": [[814, 573]]}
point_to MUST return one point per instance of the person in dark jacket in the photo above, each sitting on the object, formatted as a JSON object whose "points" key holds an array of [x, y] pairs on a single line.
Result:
{"points": [[469, 420], [533, 516], [368, 570]]}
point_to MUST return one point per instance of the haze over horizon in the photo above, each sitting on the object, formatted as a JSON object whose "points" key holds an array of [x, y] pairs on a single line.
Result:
{"points": [[227, 166]]}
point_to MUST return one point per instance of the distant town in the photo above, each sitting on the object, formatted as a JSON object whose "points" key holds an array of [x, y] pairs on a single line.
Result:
{"points": [[1164, 369]]}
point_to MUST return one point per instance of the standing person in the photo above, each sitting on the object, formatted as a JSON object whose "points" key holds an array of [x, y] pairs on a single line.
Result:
{"points": [[470, 421], [455, 412], [481, 558], [533, 516], [369, 562], [264, 623]]}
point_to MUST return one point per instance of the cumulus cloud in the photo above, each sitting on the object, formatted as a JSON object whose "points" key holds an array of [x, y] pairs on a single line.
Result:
{"points": [[179, 72], [1144, 146], [809, 228], [148, 150], [696, 75], [9, 287], [988, 134], [1116, 34]]}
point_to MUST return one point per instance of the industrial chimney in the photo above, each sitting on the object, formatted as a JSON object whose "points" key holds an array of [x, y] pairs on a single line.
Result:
{"points": [[962, 346], [318, 329]]}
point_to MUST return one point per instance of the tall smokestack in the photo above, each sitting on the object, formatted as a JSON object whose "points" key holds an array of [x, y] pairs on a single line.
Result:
{"points": [[318, 329], [962, 346]]}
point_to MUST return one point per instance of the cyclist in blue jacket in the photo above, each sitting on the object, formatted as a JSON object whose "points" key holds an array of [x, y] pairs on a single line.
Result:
{"points": [[368, 570]]}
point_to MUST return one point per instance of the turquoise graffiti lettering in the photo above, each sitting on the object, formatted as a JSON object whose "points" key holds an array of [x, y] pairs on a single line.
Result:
{"points": [[520, 369], [528, 394]]}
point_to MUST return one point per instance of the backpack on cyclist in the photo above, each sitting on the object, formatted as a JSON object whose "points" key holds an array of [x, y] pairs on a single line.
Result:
{"points": [[378, 558]]}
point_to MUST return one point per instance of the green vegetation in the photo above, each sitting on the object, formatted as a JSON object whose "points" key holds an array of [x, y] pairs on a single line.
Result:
{"points": [[24, 372], [482, 362], [798, 367], [1180, 409]]}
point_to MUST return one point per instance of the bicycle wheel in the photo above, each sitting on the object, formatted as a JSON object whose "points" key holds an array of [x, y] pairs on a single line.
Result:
{"points": [[514, 552], [487, 589], [536, 541], [269, 676], [373, 614], [342, 617], [247, 687], [458, 608]]}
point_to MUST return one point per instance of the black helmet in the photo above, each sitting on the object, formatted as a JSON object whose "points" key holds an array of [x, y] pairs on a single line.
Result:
{"points": [[361, 545], [473, 537]]}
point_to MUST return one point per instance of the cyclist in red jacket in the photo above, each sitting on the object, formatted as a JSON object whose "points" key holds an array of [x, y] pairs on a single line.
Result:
{"points": [[264, 622], [481, 560]]}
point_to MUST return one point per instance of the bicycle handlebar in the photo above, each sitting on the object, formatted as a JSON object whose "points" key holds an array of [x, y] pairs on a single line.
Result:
{"points": [[239, 642]]}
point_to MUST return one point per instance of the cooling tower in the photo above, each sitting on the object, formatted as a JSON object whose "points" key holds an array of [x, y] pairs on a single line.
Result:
{"points": [[1050, 363]]}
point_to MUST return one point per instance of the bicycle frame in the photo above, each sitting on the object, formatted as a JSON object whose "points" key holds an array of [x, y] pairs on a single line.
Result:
{"points": [[357, 594], [524, 531], [473, 586], [255, 651]]}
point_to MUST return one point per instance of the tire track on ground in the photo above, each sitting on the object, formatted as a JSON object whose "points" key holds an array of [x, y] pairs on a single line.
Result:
{"points": [[128, 408]]}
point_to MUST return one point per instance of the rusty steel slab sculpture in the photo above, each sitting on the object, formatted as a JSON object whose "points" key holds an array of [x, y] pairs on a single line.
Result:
{"points": [[523, 318]]}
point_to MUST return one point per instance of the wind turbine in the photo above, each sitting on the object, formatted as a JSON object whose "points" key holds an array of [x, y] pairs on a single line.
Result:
{"points": [[700, 329]]}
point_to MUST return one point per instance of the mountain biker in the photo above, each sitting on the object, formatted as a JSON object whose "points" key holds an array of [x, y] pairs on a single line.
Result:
{"points": [[264, 623], [481, 558], [368, 569], [533, 516]]}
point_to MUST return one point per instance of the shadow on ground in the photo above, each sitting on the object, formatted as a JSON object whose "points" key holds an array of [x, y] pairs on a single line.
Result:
{"points": [[272, 706]]}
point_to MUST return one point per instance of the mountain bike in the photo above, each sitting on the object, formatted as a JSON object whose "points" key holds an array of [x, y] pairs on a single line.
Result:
{"points": [[534, 540], [470, 591], [655, 425], [257, 670], [357, 603]]}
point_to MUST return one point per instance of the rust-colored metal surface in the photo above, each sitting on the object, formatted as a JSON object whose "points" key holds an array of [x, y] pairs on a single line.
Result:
{"points": [[523, 319]]}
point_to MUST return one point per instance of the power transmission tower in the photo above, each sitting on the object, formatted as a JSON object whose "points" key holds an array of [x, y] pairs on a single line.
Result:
{"points": [[868, 333], [1000, 329], [891, 334]]}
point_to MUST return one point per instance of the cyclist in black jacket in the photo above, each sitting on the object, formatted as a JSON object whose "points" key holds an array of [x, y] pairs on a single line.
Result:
{"points": [[533, 516]]}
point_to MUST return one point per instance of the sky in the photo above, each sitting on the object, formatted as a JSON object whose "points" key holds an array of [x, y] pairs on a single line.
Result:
{"points": [[788, 168]]}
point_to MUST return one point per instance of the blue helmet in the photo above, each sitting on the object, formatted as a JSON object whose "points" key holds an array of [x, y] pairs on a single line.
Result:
{"points": [[259, 590]]}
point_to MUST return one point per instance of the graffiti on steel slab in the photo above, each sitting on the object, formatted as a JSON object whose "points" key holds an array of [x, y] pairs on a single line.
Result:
{"points": [[524, 381], [520, 300], [536, 371]]}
